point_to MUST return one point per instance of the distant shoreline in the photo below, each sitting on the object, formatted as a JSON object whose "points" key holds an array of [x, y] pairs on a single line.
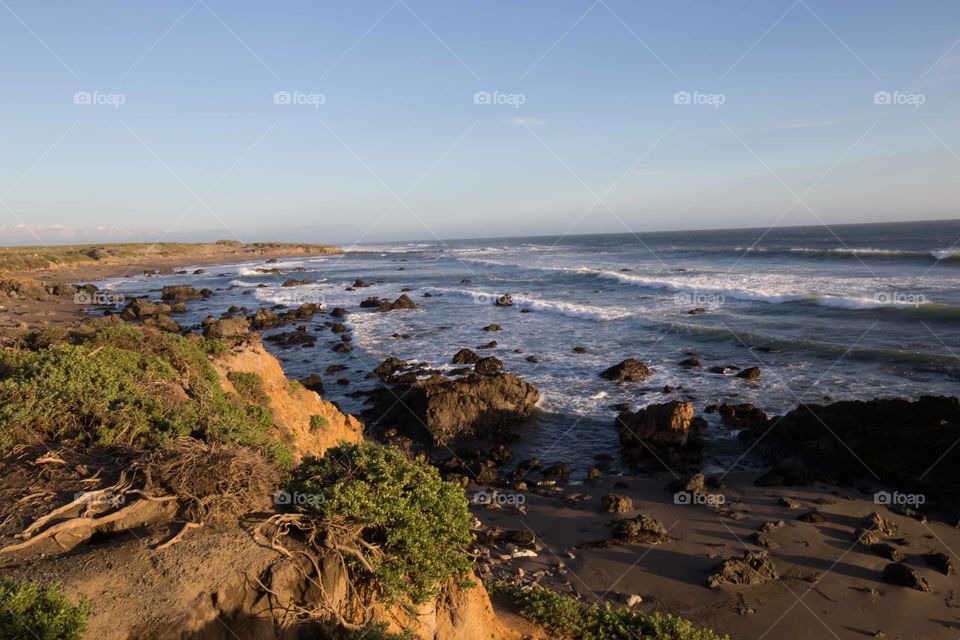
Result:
{"points": [[99, 261]]}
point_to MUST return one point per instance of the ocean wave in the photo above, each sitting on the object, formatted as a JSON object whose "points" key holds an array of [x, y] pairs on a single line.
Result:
{"points": [[948, 255], [569, 309], [243, 283]]}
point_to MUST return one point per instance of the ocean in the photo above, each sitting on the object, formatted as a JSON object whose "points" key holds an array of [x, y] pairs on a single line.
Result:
{"points": [[850, 312]]}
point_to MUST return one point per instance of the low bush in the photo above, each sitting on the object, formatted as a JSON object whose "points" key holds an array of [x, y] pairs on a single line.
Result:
{"points": [[570, 618], [125, 385], [249, 386], [319, 423], [417, 525], [27, 611]]}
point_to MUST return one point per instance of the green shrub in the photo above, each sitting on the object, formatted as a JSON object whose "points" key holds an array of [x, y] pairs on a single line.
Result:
{"points": [[125, 385], [565, 616], [419, 522], [372, 631], [27, 611], [319, 423], [249, 386]]}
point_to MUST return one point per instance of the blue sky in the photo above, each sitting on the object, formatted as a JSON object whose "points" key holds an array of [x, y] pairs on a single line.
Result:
{"points": [[361, 121]]}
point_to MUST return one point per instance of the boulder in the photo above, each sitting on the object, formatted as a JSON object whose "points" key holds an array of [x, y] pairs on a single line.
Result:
{"points": [[661, 427], [226, 328], [641, 530], [616, 503], [900, 574], [403, 302], [488, 366], [690, 362], [141, 308], [743, 416], [630, 370], [750, 373], [940, 561], [314, 383], [506, 300], [753, 567], [465, 356], [180, 293], [447, 410]]}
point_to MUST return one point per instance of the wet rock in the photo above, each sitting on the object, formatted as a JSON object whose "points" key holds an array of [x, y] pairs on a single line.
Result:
{"points": [[533, 359], [721, 370], [465, 356], [750, 373], [293, 282], [616, 503], [343, 347], [641, 530], [506, 300], [579, 350], [314, 383], [493, 327], [490, 345], [488, 366], [743, 416], [372, 302], [181, 293], [339, 312], [630, 370], [288, 339], [557, 472], [690, 362], [389, 367], [359, 283], [900, 574], [402, 303], [752, 568]]}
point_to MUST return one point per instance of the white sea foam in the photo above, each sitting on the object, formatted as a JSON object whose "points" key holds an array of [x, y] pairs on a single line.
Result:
{"points": [[570, 309]]}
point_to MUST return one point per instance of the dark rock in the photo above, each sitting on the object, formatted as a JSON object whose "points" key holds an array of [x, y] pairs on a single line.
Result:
{"points": [[557, 472], [695, 483], [492, 327], [490, 345], [360, 283], [343, 381], [389, 367], [630, 370], [761, 539], [488, 366], [163, 323], [812, 517], [667, 427], [940, 561], [743, 416], [335, 368], [476, 405], [579, 349], [504, 301], [403, 302], [339, 312], [533, 359], [289, 339], [750, 373], [465, 356], [900, 574], [180, 293], [313, 383], [343, 347], [293, 282], [690, 362], [372, 302]]}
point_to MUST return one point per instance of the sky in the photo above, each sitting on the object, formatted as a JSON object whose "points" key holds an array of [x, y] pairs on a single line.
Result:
{"points": [[381, 120]]}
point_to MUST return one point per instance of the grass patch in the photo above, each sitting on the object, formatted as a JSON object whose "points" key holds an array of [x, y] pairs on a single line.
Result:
{"points": [[27, 611], [570, 618], [416, 526], [319, 423], [126, 385], [249, 386]]}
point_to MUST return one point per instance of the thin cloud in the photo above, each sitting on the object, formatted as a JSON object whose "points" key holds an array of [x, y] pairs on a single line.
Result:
{"points": [[526, 122]]}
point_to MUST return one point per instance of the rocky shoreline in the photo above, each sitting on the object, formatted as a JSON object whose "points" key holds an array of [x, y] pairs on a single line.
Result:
{"points": [[663, 537]]}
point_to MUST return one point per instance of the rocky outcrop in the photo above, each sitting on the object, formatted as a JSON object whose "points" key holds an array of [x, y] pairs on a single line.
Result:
{"points": [[183, 293], [663, 429], [630, 370], [892, 437], [482, 403], [291, 404], [900, 574], [226, 328]]}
